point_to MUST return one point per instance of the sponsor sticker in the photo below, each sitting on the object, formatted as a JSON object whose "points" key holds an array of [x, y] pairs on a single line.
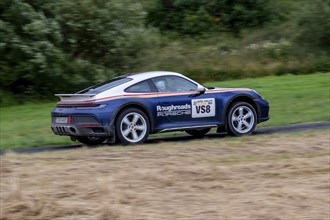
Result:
{"points": [[203, 108], [173, 110]]}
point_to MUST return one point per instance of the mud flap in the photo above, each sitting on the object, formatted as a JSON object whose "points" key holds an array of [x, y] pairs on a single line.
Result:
{"points": [[112, 138], [221, 129]]}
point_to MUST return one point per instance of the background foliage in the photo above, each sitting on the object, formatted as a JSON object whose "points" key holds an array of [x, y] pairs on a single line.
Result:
{"points": [[48, 47], [198, 16], [52, 46]]}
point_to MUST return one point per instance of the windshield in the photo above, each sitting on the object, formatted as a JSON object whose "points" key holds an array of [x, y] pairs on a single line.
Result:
{"points": [[105, 85]]}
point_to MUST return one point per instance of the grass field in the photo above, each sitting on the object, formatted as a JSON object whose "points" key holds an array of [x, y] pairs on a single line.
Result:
{"points": [[293, 99], [275, 177]]}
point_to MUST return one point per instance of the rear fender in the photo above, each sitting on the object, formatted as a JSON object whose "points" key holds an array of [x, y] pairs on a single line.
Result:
{"points": [[134, 105]]}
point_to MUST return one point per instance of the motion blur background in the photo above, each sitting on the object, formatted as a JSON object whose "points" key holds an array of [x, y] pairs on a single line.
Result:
{"points": [[48, 47], [281, 48]]}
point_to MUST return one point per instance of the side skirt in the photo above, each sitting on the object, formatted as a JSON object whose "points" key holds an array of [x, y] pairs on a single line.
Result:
{"points": [[188, 128]]}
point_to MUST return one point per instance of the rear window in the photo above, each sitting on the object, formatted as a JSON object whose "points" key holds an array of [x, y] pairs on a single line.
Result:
{"points": [[105, 85]]}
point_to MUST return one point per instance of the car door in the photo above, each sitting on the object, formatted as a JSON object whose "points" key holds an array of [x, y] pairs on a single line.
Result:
{"points": [[180, 104]]}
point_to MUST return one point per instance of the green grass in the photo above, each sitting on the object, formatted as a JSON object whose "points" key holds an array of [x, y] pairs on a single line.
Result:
{"points": [[293, 99], [27, 125]]}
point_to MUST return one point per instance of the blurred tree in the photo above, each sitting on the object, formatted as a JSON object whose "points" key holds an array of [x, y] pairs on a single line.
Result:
{"points": [[51, 46], [194, 17], [30, 57], [57, 46], [314, 25]]}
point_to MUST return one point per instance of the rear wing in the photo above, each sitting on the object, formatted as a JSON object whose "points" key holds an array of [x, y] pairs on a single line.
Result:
{"points": [[74, 97]]}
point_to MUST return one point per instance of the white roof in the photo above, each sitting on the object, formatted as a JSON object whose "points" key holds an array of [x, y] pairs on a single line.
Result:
{"points": [[118, 90], [150, 74]]}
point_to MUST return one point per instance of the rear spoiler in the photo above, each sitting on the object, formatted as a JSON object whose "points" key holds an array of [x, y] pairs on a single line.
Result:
{"points": [[74, 97]]}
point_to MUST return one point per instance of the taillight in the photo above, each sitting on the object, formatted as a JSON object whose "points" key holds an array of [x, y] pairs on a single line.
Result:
{"points": [[70, 119], [81, 105]]}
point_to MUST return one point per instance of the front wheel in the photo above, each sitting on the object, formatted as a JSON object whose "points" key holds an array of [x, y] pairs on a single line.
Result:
{"points": [[91, 140], [132, 126], [241, 119]]}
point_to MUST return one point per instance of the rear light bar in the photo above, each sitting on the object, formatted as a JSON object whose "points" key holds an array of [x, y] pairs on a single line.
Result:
{"points": [[81, 106]]}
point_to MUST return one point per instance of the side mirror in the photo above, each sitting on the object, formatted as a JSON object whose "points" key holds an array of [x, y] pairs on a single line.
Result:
{"points": [[201, 89]]}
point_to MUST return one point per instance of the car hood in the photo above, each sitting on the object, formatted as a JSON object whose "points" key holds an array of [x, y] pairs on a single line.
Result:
{"points": [[229, 89]]}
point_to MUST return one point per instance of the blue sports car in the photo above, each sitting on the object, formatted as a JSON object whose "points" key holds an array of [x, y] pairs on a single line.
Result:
{"points": [[130, 107]]}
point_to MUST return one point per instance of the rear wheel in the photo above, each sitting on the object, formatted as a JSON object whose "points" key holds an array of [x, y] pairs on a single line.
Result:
{"points": [[241, 119], [91, 140], [198, 132], [132, 126]]}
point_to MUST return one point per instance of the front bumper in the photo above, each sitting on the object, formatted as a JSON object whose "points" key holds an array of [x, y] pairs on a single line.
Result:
{"points": [[263, 110], [263, 119]]}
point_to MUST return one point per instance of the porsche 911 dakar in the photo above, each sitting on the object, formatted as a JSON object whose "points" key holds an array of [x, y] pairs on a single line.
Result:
{"points": [[130, 107]]}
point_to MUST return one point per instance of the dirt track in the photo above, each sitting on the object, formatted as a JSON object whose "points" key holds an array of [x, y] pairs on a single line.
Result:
{"points": [[256, 177]]}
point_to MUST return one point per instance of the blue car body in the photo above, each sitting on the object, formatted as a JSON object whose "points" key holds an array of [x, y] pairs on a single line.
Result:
{"points": [[89, 115]]}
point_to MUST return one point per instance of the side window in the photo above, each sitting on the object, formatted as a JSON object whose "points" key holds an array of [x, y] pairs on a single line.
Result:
{"points": [[140, 87], [173, 84]]}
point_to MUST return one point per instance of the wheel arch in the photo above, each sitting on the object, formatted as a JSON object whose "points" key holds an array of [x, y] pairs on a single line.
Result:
{"points": [[240, 98], [136, 105]]}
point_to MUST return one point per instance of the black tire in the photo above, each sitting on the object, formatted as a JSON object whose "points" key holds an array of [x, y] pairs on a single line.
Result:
{"points": [[132, 126], [198, 132], [91, 140], [241, 119]]}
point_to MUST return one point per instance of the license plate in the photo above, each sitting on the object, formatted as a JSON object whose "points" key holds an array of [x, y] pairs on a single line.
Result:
{"points": [[61, 120]]}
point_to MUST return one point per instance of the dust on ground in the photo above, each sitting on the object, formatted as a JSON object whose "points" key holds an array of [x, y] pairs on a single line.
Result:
{"points": [[273, 177]]}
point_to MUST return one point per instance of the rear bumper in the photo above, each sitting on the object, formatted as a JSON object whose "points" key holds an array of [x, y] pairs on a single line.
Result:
{"points": [[77, 124], [78, 130]]}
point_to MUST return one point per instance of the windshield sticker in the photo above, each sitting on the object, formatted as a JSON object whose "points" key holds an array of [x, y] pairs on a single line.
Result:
{"points": [[173, 110], [203, 108]]}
